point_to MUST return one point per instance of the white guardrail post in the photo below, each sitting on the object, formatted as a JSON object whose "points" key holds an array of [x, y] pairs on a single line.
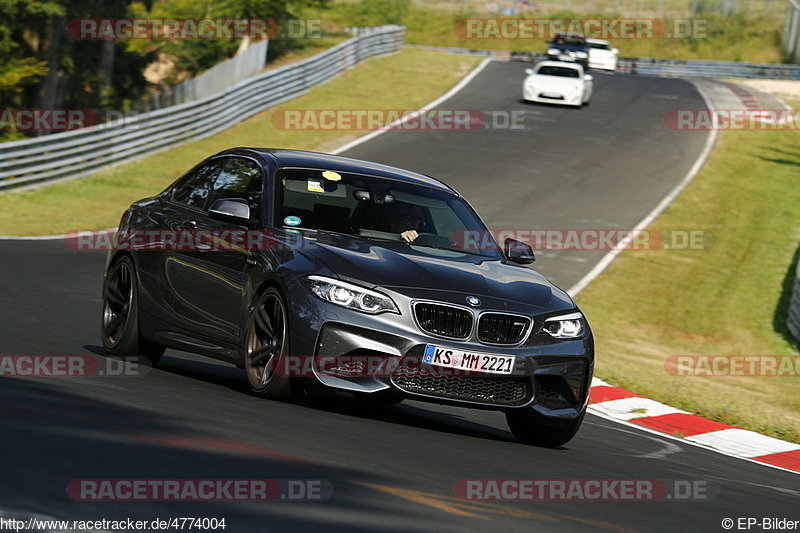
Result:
{"points": [[70, 154]]}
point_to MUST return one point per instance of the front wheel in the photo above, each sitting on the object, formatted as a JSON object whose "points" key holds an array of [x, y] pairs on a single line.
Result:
{"points": [[120, 326], [267, 343], [529, 427]]}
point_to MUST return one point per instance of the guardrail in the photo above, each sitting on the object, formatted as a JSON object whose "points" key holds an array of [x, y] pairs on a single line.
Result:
{"points": [[216, 79], [793, 320], [71, 154], [646, 66], [791, 32]]}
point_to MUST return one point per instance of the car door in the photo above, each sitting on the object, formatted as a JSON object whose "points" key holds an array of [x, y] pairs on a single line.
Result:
{"points": [[159, 263], [210, 280]]}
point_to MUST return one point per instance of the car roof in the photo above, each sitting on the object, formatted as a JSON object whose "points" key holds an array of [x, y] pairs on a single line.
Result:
{"points": [[304, 159], [567, 64], [597, 41], [569, 36]]}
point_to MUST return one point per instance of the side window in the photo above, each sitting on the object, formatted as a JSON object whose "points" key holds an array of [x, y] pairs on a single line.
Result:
{"points": [[195, 188], [239, 178]]}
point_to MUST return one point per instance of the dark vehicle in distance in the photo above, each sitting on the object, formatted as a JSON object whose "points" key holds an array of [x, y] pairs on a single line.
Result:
{"points": [[570, 47], [365, 276]]}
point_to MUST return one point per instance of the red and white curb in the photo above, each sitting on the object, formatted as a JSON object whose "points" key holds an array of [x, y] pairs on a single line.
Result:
{"points": [[626, 406]]}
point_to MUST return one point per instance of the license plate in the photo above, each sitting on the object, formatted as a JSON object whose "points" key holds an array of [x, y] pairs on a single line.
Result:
{"points": [[475, 362], [550, 95]]}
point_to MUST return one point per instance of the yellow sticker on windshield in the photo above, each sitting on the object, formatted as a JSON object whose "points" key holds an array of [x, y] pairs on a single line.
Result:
{"points": [[331, 175]]}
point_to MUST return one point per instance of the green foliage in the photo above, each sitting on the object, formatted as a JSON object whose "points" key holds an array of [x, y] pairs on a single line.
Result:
{"points": [[19, 72], [372, 12], [42, 66], [190, 57]]}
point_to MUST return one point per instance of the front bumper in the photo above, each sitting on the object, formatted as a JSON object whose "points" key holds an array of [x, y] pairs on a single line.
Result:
{"points": [[380, 353], [603, 63], [552, 97]]}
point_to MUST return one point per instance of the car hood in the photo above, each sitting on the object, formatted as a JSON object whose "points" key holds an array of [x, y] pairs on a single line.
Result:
{"points": [[554, 82], [413, 271]]}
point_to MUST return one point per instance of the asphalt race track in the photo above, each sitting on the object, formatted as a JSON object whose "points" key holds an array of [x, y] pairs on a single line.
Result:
{"points": [[392, 468]]}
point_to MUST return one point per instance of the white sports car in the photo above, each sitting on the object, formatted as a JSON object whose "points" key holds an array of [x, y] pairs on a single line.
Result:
{"points": [[557, 82], [601, 55]]}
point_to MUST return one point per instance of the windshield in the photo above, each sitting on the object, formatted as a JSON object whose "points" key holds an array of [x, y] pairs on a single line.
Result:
{"points": [[379, 209], [569, 41], [600, 46], [564, 72]]}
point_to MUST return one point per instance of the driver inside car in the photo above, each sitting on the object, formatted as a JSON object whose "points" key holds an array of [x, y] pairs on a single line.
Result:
{"points": [[404, 219]]}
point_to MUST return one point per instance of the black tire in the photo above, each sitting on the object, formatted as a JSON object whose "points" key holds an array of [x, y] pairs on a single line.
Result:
{"points": [[529, 427], [266, 344], [120, 320]]}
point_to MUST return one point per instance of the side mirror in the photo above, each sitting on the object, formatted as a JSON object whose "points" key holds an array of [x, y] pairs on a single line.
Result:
{"points": [[518, 252], [528, 71], [615, 50], [588, 77], [231, 208]]}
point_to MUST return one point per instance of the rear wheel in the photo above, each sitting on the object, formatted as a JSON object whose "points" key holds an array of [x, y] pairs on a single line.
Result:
{"points": [[529, 427], [120, 326], [266, 344]]}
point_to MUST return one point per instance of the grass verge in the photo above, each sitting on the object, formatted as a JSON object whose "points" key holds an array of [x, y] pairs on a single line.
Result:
{"points": [[728, 299], [750, 37], [97, 201]]}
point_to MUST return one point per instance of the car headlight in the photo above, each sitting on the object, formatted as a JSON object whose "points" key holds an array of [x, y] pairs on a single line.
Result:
{"points": [[351, 296], [553, 51], [569, 326], [582, 55]]}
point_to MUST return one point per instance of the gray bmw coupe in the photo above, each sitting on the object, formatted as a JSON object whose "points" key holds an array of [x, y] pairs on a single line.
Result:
{"points": [[316, 273]]}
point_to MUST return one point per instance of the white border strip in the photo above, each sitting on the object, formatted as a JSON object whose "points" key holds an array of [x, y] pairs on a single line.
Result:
{"points": [[631, 425], [698, 164]]}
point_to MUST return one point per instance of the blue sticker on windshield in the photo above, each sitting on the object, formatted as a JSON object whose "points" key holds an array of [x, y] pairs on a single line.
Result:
{"points": [[292, 221]]}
